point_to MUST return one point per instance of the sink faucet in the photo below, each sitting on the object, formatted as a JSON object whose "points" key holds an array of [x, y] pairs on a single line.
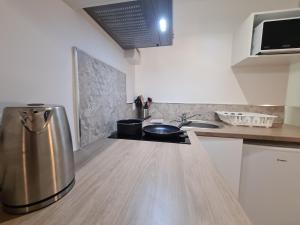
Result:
{"points": [[183, 119]]}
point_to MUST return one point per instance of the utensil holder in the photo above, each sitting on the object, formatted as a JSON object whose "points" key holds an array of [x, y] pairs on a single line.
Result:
{"points": [[142, 113]]}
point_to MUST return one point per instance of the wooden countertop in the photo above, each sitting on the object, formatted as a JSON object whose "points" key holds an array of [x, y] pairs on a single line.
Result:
{"points": [[286, 133], [143, 183]]}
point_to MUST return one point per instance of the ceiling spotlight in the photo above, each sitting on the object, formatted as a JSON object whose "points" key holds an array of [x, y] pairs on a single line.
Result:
{"points": [[163, 25]]}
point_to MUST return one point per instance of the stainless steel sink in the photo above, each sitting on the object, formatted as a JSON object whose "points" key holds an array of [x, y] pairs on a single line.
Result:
{"points": [[203, 124]]}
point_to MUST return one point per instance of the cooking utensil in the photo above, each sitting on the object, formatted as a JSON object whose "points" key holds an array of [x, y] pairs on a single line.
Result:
{"points": [[139, 102], [162, 131], [130, 128], [142, 99], [146, 106], [148, 103]]}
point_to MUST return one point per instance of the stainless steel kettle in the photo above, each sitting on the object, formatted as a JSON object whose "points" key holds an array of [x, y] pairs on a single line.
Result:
{"points": [[37, 157]]}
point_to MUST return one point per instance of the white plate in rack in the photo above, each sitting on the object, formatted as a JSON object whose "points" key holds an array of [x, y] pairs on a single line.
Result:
{"points": [[247, 119]]}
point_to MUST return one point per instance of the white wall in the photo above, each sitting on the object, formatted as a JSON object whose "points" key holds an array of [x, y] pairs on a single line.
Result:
{"points": [[293, 96], [35, 51], [196, 69]]}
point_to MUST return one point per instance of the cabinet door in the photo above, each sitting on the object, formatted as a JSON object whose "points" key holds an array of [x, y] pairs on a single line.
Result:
{"points": [[270, 185], [226, 154]]}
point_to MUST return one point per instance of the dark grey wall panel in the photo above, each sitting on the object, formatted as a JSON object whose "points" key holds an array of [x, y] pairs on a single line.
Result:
{"points": [[135, 24]]}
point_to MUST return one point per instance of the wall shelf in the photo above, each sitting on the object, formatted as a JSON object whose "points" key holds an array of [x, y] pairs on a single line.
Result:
{"points": [[242, 41], [269, 60]]}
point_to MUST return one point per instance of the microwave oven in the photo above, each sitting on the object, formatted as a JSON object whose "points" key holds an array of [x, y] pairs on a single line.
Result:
{"points": [[280, 36]]}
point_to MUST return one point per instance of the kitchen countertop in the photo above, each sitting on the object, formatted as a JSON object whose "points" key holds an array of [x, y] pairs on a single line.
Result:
{"points": [[125, 182], [286, 133]]}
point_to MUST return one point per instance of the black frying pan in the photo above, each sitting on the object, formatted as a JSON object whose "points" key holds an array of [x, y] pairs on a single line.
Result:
{"points": [[162, 131]]}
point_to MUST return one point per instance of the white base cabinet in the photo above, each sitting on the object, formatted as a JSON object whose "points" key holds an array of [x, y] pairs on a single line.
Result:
{"points": [[270, 185], [226, 154]]}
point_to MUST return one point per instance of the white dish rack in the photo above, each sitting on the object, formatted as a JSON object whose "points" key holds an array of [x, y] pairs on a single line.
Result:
{"points": [[247, 119]]}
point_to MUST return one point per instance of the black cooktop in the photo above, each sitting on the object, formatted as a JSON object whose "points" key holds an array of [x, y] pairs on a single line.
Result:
{"points": [[181, 139]]}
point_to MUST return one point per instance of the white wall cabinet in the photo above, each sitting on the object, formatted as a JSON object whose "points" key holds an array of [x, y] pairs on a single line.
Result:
{"points": [[226, 154], [270, 185], [243, 37]]}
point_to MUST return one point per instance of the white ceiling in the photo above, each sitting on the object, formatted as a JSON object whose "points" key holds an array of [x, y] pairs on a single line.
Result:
{"points": [[192, 16], [79, 4]]}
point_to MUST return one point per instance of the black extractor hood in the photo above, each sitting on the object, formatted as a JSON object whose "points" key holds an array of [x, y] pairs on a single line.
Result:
{"points": [[136, 24]]}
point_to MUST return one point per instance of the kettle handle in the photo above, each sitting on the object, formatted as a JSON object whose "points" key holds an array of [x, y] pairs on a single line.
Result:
{"points": [[36, 121], [47, 115]]}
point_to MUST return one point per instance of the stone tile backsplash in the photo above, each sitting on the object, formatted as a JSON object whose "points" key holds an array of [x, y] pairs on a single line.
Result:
{"points": [[102, 94], [170, 111]]}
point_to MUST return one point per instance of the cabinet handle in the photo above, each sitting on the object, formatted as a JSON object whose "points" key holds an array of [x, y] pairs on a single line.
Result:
{"points": [[282, 160]]}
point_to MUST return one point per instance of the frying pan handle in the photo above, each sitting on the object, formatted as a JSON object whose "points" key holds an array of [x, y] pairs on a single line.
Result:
{"points": [[181, 132]]}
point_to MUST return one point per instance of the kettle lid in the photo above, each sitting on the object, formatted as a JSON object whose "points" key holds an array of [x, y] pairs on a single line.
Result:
{"points": [[36, 104], [32, 106]]}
